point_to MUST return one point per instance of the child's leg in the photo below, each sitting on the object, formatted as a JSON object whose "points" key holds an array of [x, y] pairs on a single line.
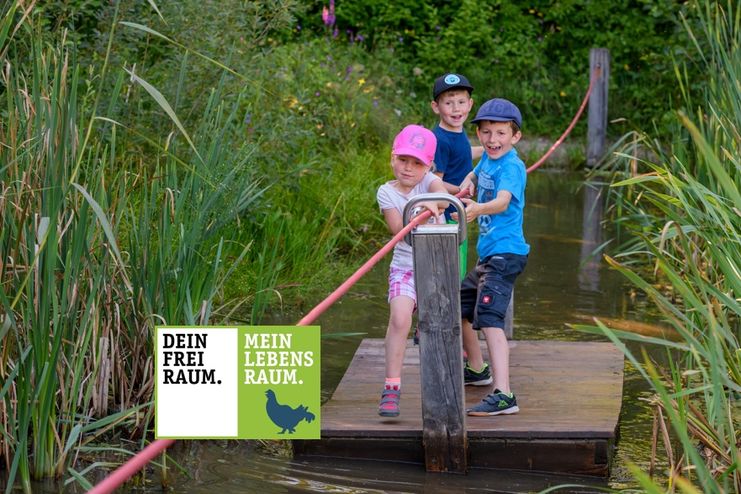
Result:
{"points": [[471, 345], [400, 320], [497, 277], [496, 343], [469, 301], [402, 299]]}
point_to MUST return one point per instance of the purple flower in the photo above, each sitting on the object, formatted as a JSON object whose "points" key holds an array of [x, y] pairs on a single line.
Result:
{"points": [[317, 94], [328, 17], [359, 38], [248, 118]]}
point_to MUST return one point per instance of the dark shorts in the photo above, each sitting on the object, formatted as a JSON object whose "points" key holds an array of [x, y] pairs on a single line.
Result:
{"points": [[485, 291]]}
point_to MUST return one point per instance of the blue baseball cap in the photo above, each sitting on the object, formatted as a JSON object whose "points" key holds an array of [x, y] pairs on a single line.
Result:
{"points": [[450, 81], [499, 110]]}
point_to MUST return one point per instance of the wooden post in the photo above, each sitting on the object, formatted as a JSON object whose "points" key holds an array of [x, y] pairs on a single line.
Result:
{"points": [[599, 58], [437, 279]]}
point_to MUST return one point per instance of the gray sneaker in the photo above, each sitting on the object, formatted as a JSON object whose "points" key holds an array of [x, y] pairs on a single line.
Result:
{"points": [[473, 378], [496, 403]]}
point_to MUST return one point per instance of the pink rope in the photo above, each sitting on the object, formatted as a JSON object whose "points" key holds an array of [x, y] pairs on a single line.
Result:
{"points": [[128, 469], [139, 461], [343, 288], [597, 74]]}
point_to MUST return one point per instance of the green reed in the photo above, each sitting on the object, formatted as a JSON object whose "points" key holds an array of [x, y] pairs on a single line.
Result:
{"points": [[98, 245], [680, 203]]}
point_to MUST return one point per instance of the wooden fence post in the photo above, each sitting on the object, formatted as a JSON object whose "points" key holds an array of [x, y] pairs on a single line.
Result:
{"points": [[437, 280], [599, 58]]}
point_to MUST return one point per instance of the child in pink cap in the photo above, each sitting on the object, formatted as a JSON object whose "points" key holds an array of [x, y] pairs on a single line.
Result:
{"points": [[411, 158]]}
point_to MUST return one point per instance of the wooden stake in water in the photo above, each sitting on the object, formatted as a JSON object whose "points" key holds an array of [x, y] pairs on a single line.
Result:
{"points": [[599, 59], [437, 280]]}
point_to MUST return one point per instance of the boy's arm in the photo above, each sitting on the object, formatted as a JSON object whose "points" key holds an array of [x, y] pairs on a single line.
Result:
{"points": [[477, 152], [469, 183], [497, 205]]}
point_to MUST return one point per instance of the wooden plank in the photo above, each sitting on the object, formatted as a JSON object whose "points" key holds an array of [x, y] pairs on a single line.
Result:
{"points": [[553, 431], [437, 281], [592, 371]]}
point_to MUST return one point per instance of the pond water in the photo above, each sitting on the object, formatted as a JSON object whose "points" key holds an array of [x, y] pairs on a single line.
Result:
{"points": [[562, 284]]}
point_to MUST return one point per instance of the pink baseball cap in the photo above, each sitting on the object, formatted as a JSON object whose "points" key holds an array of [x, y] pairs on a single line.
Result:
{"points": [[416, 141]]}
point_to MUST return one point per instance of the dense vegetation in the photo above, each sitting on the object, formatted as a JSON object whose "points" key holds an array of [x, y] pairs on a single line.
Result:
{"points": [[677, 201], [192, 162]]}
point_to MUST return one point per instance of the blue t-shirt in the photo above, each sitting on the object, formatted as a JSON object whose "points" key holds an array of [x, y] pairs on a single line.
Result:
{"points": [[452, 157], [502, 233]]}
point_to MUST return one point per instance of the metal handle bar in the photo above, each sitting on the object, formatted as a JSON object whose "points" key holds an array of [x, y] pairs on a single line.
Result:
{"points": [[436, 196]]}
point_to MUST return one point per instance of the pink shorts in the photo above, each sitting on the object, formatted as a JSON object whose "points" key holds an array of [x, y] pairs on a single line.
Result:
{"points": [[401, 282]]}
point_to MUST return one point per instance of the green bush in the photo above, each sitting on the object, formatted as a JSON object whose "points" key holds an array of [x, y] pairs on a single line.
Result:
{"points": [[534, 53]]}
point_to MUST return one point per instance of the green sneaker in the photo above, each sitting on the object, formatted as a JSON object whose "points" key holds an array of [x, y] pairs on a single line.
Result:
{"points": [[496, 403], [473, 378]]}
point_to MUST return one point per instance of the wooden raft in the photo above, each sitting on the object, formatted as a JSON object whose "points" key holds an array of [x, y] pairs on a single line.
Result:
{"points": [[569, 394]]}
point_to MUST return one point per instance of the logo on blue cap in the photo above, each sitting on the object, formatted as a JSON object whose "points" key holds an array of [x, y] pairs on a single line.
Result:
{"points": [[452, 79]]}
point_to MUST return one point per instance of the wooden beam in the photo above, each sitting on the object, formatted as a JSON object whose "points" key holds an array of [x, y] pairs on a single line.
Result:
{"points": [[437, 280]]}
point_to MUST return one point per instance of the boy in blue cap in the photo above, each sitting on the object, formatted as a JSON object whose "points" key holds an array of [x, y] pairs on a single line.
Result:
{"points": [[500, 178]]}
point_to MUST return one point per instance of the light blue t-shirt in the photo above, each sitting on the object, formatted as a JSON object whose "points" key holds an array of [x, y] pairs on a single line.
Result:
{"points": [[502, 233]]}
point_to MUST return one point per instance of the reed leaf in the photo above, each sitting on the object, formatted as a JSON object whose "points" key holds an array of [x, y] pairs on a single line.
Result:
{"points": [[165, 105]]}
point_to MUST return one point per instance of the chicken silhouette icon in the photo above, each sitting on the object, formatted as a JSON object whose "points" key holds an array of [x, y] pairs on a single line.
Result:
{"points": [[284, 416]]}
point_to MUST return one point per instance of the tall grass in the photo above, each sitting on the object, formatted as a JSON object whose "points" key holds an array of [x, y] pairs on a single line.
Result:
{"points": [[99, 245], [131, 196], [681, 205]]}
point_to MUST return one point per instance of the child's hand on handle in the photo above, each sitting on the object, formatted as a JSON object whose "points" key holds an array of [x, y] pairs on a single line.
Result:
{"points": [[473, 209], [431, 206]]}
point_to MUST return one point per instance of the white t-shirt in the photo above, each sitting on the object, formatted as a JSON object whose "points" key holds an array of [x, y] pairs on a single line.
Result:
{"points": [[389, 197]]}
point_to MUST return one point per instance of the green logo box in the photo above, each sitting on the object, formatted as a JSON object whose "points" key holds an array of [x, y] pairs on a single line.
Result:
{"points": [[237, 382]]}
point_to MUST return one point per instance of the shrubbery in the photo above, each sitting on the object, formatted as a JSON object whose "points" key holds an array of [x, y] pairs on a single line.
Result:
{"points": [[535, 53]]}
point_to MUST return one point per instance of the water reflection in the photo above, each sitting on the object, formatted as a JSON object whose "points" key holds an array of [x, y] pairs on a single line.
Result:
{"points": [[589, 266], [242, 468]]}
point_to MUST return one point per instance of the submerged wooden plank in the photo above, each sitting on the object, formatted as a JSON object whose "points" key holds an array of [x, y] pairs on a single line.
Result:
{"points": [[569, 394]]}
